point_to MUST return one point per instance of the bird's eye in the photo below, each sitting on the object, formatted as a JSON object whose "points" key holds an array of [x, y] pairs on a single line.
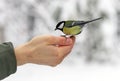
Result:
{"points": [[61, 26]]}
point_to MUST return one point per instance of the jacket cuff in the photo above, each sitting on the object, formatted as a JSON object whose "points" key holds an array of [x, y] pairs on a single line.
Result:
{"points": [[8, 64]]}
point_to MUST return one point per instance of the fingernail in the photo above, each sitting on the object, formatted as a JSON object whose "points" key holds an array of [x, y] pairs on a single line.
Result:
{"points": [[68, 41]]}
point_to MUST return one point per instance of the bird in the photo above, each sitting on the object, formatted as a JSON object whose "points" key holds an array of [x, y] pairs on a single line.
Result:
{"points": [[73, 27]]}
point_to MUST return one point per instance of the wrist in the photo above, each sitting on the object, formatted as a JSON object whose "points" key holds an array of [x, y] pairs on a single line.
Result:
{"points": [[21, 53]]}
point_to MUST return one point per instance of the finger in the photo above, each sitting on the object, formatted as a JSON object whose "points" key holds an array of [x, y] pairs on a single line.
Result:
{"points": [[65, 50], [60, 40], [73, 39]]}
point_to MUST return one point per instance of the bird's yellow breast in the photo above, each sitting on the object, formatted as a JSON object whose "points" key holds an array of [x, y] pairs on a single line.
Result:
{"points": [[72, 31]]}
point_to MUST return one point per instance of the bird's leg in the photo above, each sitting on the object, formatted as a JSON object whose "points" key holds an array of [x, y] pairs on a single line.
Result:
{"points": [[67, 36], [64, 36]]}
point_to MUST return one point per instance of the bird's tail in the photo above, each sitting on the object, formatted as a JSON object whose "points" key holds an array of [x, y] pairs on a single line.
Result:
{"points": [[85, 22]]}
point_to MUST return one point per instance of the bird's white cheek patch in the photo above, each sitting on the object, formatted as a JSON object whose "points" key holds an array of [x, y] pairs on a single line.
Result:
{"points": [[61, 26]]}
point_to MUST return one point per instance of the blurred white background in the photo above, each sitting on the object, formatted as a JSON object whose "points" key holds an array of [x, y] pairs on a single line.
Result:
{"points": [[96, 54]]}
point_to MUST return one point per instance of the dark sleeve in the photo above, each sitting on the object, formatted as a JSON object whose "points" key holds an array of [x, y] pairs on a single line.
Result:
{"points": [[7, 60]]}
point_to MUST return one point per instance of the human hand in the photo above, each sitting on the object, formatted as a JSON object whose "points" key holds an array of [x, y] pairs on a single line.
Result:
{"points": [[45, 50]]}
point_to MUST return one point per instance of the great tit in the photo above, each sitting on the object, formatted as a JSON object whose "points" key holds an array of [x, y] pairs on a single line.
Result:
{"points": [[72, 27]]}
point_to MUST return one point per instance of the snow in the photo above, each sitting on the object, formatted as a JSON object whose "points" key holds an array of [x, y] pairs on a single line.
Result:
{"points": [[66, 73]]}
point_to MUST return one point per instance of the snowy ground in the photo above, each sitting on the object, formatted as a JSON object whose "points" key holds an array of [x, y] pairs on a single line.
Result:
{"points": [[65, 73], [78, 71]]}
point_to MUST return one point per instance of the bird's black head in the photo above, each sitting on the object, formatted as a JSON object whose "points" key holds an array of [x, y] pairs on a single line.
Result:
{"points": [[60, 25]]}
